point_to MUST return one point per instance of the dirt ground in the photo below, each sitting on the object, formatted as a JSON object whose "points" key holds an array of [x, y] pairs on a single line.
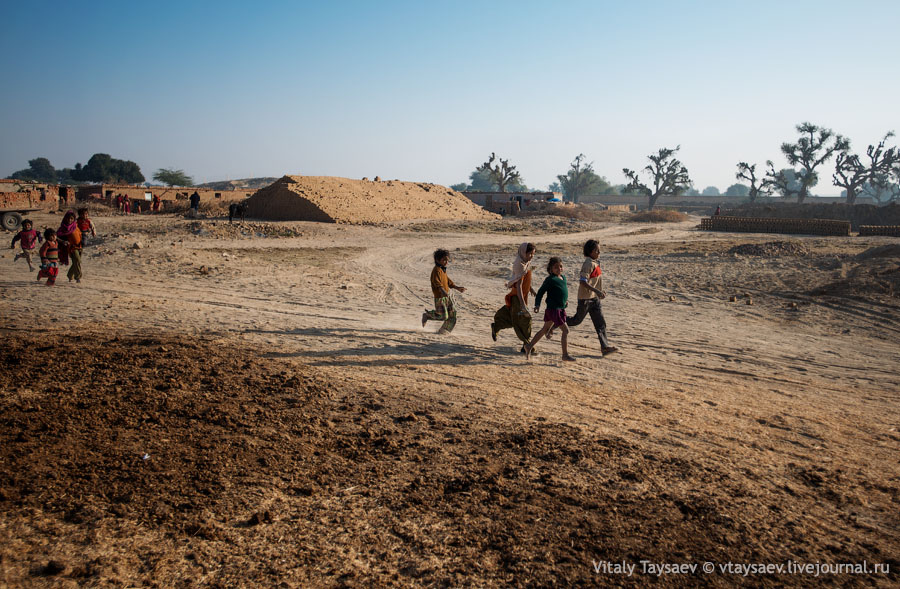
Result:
{"points": [[257, 404]]}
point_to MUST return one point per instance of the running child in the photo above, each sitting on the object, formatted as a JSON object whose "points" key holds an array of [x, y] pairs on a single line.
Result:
{"points": [[557, 292], [49, 258], [85, 225], [444, 310], [514, 313], [590, 292], [27, 238]]}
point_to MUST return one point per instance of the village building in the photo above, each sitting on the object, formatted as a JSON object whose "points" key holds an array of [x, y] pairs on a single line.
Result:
{"points": [[107, 193]]}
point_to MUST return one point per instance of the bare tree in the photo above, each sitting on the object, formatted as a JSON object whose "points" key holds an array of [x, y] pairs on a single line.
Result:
{"points": [[758, 186], [851, 174], [669, 176], [815, 146], [500, 173]]}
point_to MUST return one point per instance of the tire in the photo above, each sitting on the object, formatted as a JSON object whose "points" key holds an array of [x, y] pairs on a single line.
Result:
{"points": [[12, 221]]}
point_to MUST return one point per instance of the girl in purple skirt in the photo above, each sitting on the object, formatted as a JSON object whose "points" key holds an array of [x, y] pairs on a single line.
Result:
{"points": [[557, 292]]}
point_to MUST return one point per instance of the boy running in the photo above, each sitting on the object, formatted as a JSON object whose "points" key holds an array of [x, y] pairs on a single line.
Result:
{"points": [[589, 294], [440, 288]]}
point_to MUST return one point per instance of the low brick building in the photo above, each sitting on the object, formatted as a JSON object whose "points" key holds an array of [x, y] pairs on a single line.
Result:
{"points": [[107, 193], [22, 194]]}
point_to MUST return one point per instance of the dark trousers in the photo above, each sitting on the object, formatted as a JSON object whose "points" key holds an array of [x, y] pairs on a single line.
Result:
{"points": [[592, 307], [507, 317]]}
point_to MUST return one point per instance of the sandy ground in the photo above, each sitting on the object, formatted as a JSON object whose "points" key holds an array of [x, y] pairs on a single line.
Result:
{"points": [[722, 431]]}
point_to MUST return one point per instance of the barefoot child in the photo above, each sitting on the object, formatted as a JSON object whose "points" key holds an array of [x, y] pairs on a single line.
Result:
{"points": [[589, 295], [440, 288], [27, 238], [555, 316], [49, 258], [514, 313]]}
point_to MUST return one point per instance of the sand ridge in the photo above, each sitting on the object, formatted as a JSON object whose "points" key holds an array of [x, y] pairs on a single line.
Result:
{"points": [[343, 200]]}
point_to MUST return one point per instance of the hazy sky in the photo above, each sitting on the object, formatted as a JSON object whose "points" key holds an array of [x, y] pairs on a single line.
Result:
{"points": [[426, 90]]}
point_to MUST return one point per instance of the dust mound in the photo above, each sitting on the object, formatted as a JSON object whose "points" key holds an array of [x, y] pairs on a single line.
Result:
{"points": [[892, 250], [770, 249], [342, 200]]}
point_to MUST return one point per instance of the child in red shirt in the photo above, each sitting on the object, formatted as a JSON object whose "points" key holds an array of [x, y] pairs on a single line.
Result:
{"points": [[27, 238], [49, 258]]}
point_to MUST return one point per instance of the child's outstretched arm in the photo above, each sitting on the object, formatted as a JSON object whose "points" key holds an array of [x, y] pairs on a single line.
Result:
{"points": [[599, 292], [16, 238]]}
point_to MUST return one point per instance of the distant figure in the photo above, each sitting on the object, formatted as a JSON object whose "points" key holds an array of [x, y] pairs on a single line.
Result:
{"points": [[514, 312], [119, 202], [156, 202], [49, 258], [557, 292], [236, 209], [27, 239], [67, 227], [195, 205], [126, 205], [718, 210], [590, 292], [441, 284], [85, 225]]}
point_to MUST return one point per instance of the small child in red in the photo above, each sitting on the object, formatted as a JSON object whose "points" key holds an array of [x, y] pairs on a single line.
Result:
{"points": [[85, 224], [49, 258], [27, 238]]}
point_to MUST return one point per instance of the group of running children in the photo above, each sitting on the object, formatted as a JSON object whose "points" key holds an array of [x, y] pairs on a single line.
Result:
{"points": [[60, 246], [514, 313]]}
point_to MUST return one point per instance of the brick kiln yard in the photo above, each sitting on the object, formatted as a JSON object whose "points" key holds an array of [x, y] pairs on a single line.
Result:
{"points": [[258, 405]]}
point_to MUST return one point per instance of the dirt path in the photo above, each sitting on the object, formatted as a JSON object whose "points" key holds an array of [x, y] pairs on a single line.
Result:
{"points": [[767, 389]]}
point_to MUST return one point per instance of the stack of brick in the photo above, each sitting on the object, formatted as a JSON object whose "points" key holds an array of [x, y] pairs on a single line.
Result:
{"points": [[889, 230], [769, 225]]}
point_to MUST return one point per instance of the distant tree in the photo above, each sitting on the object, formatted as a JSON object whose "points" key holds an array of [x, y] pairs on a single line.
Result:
{"points": [[581, 179], [668, 176], [885, 187], [173, 177], [459, 187], [500, 172], [39, 170], [852, 174], [710, 191], [739, 190], [785, 181], [481, 180], [554, 187], [64, 176], [758, 186], [690, 191], [814, 147], [102, 168]]}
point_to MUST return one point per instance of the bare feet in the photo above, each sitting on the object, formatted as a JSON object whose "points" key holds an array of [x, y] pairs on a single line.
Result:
{"points": [[527, 352], [568, 358], [424, 319], [607, 351]]}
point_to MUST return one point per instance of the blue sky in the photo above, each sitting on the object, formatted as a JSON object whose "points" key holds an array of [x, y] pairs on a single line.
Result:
{"points": [[426, 91]]}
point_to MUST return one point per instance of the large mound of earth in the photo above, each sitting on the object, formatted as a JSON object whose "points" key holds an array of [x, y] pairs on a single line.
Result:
{"points": [[342, 200]]}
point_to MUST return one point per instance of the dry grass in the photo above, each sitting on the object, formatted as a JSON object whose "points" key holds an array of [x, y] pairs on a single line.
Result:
{"points": [[658, 216]]}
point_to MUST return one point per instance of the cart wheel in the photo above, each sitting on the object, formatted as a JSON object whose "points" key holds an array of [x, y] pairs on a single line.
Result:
{"points": [[12, 221]]}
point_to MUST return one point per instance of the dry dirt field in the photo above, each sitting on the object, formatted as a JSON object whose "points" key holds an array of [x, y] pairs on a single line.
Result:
{"points": [[257, 404]]}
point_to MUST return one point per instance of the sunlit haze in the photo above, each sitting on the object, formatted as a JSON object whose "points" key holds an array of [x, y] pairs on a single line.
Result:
{"points": [[426, 91]]}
